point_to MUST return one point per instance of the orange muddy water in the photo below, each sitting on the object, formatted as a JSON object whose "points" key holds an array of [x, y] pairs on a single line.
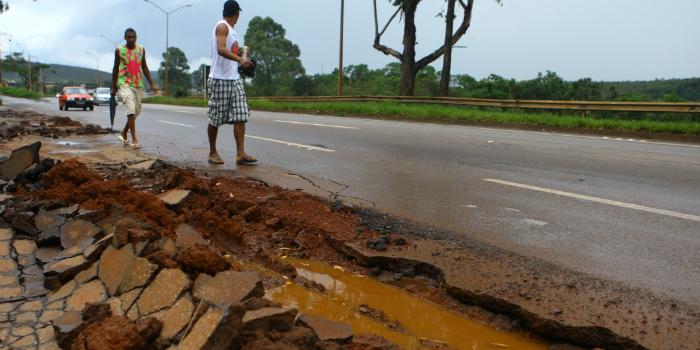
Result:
{"points": [[422, 323]]}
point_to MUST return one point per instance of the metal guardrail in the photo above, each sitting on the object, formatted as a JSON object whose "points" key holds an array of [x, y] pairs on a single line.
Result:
{"points": [[667, 107]]}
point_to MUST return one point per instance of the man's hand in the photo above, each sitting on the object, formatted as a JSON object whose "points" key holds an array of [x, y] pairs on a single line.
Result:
{"points": [[155, 89], [245, 63]]}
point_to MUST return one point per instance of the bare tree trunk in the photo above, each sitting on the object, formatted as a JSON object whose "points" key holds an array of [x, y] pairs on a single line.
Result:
{"points": [[447, 58], [409, 66], [408, 61]]}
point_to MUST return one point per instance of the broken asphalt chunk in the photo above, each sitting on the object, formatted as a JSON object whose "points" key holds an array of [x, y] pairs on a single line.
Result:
{"points": [[174, 197], [19, 160]]}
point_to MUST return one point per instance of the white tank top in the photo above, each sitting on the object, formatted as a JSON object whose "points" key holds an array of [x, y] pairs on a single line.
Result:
{"points": [[221, 67]]}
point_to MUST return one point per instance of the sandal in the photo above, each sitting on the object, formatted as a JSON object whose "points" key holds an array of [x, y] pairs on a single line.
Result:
{"points": [[246, 160], [135, 146], [215, 160], [124, 141]]}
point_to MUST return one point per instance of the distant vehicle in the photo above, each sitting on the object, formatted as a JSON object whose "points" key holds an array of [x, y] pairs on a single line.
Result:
{"points": [[102, 96], [75, 97]]}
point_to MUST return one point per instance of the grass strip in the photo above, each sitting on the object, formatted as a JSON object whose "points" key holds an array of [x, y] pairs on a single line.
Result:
{"points": [[458, 114], [19, 92]]}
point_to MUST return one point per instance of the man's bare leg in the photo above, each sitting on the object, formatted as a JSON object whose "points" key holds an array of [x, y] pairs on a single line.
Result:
{"points": [[213, 132], [131, 122], [239, 135], [127, 126]]}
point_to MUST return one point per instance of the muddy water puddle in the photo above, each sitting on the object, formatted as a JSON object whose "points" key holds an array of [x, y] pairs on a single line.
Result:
{"points": [[408, 321]]}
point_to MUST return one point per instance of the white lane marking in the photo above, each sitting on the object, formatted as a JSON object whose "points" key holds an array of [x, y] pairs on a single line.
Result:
{"points": [[534, 222], [292, 144], [599, 200], [178, 124], [188, 112], [315, 124], [606, 138]]}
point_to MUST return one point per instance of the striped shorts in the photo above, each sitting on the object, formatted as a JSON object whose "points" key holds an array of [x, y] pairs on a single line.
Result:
{"points": [[228, 103]]}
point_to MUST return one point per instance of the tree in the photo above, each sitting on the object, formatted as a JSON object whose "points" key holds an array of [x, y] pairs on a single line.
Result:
{"points": [[198, 78], [277, 58], [18, 64], [409, 65], [4, 6], [179, 79], [586, 90], [446, 74]]}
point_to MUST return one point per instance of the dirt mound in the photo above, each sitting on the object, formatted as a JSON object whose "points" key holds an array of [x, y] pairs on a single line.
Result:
{"points": [[73, 182]]}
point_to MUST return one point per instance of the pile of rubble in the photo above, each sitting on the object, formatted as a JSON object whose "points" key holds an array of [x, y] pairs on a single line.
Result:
{"points": [[78, 277], [21, 123]]}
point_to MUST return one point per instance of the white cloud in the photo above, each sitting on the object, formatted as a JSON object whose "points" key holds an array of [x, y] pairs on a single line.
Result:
{"points": [[624, 39]]}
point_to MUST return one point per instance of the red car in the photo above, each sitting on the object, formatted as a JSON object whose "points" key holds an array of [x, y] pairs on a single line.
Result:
{"points": [[75, 97]]}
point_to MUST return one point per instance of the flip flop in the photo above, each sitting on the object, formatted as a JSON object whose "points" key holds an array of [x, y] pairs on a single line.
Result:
{"points": [[215, 160], [123, 140], [246, 161], [135, 146]]}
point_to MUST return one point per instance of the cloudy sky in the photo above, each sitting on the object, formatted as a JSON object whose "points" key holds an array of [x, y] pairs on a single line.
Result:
{"points": [[602, 39]]}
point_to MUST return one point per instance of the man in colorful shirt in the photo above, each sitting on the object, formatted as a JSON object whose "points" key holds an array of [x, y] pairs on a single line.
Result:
{"points": [[228, 103], [127, 81]]}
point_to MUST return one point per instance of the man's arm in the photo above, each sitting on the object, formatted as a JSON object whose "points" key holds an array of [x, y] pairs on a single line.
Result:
{"points": [[221, 35], [147, 73], [115, 72]]}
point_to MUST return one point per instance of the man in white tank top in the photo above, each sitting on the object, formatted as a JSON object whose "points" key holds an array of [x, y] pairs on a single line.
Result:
{"points": [[228, 103]]}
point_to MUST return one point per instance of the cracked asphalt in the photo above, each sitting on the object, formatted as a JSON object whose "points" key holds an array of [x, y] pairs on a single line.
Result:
{"points": [[623, 210]]}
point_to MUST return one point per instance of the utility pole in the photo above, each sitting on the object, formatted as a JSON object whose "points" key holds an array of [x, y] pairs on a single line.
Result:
{"points": [[1, 64], [340, 63], [29, 70], [41, 81], [167, 34]]}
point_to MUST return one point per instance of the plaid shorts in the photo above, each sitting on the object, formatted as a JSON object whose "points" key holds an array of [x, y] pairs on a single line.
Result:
{"points": [[228, 103]]}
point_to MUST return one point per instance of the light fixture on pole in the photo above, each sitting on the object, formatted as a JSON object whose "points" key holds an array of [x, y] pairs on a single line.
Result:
{"points": [[167, 33], [116, 44], [97, 72]]}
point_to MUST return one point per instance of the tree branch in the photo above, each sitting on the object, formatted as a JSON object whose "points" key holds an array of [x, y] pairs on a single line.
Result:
{"points": [[464, 26], [389, 22], [378, 35]]}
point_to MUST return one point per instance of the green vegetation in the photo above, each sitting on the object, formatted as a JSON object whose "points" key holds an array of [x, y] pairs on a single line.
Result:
{"points": [[19, 92], [680, 124], [670, 90], [179, 78], [183, 101], [277, 58]]}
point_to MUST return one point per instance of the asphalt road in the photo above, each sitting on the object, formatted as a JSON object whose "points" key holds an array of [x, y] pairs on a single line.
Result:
{"points": [[624, 210]]}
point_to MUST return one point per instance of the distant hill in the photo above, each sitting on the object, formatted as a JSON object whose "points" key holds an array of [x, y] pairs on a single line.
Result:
{"points": [[685, 89], [63, 74]]}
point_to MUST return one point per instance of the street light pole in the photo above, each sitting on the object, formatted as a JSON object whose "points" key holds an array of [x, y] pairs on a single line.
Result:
{"points": [[1, 64], [340, 63], [167, 37], [97, 73]]}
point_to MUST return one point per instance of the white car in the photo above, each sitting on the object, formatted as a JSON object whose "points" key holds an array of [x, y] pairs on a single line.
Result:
{"points": [[102, 96]]}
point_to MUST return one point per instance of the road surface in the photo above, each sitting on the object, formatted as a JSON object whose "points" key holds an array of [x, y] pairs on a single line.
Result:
{"points": [[624, 210]]}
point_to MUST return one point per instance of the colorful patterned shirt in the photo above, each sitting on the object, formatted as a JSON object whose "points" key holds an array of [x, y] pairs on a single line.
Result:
{"points": [[130, 66]]}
